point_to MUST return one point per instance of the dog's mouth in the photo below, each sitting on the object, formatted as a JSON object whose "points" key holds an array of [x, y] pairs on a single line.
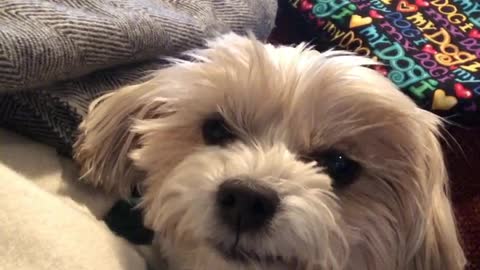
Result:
{"points": [[240, 255]]}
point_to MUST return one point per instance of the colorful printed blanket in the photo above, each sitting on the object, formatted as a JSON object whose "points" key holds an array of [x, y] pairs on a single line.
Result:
{"points": [[430, 48]]}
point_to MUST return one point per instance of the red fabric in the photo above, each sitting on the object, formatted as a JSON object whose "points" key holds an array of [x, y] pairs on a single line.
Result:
{"points": [[463, 159], [464, 165]]}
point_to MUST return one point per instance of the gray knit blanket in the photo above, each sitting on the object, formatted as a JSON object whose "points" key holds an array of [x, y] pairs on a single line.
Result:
{"points": [[56, 56]]}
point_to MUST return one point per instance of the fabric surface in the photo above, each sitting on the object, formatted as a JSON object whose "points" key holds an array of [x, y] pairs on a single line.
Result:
{"points": [[461, 147], [430, 48], [463, 161], [49, 219], [58, 55], [41, 165], [39, 231]]}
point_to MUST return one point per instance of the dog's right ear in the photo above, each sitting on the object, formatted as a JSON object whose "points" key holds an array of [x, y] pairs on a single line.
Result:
{"points": [[440, 244], [106, 138]]}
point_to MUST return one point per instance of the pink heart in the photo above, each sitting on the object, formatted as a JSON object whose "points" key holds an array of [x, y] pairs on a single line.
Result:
{"points": [[422, 3], [461, 91], [306, 6], [429, 49], [474, 33], [374, 14], [381, 69]]}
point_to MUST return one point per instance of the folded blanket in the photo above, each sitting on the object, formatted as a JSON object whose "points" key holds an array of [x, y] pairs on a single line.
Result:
{"points": [[56, 56], [40, 231]]}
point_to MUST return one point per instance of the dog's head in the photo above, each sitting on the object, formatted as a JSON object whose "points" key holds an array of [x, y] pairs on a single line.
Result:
{"points": [[255, 156]]}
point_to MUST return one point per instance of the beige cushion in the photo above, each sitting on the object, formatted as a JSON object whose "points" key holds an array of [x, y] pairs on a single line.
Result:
{"points": [[47, 219]]}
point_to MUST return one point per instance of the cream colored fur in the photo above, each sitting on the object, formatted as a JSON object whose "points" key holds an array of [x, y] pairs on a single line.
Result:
{"points": [[282, 102]]}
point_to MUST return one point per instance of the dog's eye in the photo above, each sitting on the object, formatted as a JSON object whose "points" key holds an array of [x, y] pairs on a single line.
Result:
{"points": [[339, 166], [216, 132]]}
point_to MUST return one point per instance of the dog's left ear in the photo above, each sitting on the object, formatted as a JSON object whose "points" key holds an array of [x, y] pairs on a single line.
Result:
{"points": [[440, 248], [106, 139]]}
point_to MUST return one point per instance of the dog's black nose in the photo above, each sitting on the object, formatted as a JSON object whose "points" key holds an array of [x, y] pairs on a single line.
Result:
{"points": [[245, 206]]}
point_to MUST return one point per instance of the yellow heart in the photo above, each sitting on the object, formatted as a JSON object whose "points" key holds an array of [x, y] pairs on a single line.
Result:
{"points": [[357, 21], [443, 102]]}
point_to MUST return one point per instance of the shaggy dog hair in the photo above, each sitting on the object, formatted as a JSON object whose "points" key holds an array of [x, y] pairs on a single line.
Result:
{"points": [[251, 156]]}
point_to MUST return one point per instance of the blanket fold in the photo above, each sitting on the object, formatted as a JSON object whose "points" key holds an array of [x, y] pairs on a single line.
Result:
{"points": [[56, 56]]}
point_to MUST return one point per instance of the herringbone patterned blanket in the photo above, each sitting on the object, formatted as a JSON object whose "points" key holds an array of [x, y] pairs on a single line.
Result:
{"points": [[58, 55]]}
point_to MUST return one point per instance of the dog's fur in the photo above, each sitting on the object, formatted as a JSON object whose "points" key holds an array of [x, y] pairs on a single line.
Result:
{"points": [[281, 102]]}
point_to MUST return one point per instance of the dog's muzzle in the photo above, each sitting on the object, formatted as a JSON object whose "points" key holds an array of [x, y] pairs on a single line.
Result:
{"points": [[246, 206]]}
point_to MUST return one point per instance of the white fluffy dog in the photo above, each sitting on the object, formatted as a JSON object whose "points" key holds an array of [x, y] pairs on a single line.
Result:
{"points": [[252, 156]]}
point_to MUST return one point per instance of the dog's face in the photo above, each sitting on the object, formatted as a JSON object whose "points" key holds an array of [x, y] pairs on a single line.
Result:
{"points": [[260, 157]]}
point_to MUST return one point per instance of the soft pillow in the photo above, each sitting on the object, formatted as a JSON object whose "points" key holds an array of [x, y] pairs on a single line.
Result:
{"points": [[39, 230]]}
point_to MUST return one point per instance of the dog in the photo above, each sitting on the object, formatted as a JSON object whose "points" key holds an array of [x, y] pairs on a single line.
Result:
{"points": [[255, 156]]}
